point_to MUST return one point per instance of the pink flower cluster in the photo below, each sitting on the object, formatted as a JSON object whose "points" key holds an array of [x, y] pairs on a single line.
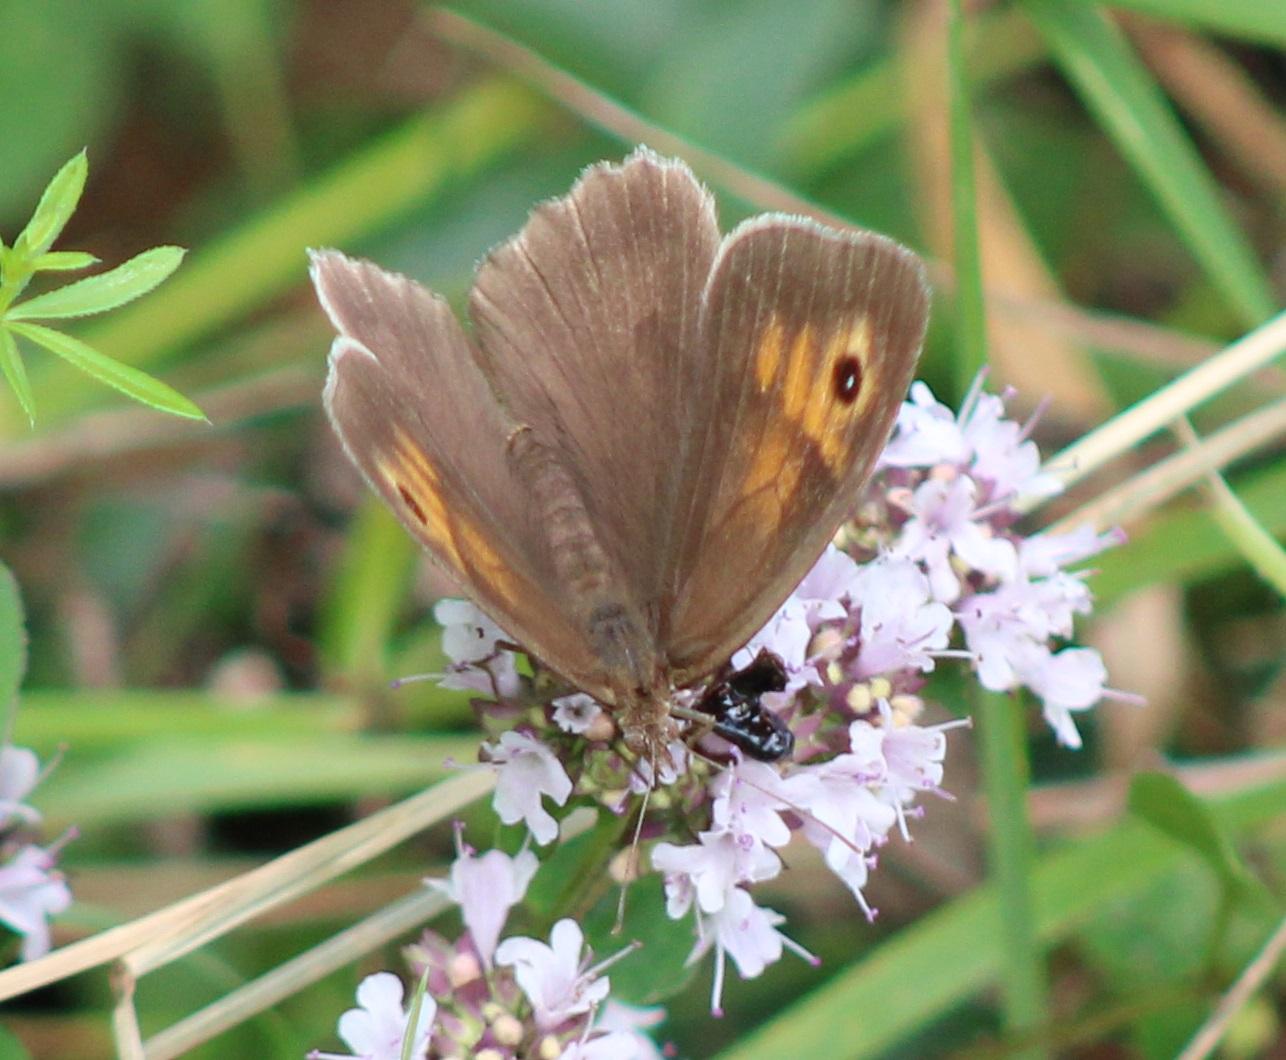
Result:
{"points": [[496, 999], [931, 568], [31, 888]]}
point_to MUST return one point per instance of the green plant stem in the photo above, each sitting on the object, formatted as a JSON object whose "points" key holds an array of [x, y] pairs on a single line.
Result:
{"points": [[1010, 850], [1005, 770], [971, 329]]}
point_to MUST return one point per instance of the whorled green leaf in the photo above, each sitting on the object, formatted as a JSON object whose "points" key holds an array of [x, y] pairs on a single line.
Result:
{"points": [[63, 261], [1118, 89], [15, 372], [97, 294], [129, 381], [1167, 805], [13, 639], [56, 207]]}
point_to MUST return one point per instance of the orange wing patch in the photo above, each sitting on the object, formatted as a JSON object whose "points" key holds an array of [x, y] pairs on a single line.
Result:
{"points": [[411, 476], [810, 403], [768, 353]]}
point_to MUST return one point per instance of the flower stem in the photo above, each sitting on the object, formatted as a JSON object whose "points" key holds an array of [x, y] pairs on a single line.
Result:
{"points": [[1010, 852], [971, 330]]}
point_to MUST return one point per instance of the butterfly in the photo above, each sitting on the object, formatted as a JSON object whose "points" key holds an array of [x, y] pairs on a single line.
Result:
{"points": [[648, 435]]}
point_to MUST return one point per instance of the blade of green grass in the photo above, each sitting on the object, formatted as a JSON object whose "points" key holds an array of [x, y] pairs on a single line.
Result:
{"points": [[372, 582], [1005, 768], [1186, 546], [161, 778], [871, 103], [13, 646], [1249, 536], [954, 953], [1255, 20], [96, 721], [1119, 91]]}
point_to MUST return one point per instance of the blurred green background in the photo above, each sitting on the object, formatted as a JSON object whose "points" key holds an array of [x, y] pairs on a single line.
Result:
{"points": [[215, 610]]}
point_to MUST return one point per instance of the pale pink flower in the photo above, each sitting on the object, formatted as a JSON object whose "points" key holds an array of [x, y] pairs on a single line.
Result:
{"points": [[901, 624], [377, 1028], [527, 771], [553, 976], [1070, 680], [927, 433], [748, 804], [943, 526], [470, 640], [486, 888], [823, 596], [745, 932], [1004, 459], [19, 774], [711, 869], [576, 713], [621, 1019], [31, 891]]}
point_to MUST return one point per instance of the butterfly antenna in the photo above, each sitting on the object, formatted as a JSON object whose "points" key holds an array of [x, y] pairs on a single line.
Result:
{"points": [[631, 864]]}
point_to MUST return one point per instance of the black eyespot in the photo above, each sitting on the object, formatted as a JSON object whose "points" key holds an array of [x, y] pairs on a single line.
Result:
{"points": [[412, 503], [847, 380]]}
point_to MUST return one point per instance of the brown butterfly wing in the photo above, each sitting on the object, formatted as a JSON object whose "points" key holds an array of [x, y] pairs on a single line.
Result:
{"points": [[588, 323], [421, 422], [811, 336]]}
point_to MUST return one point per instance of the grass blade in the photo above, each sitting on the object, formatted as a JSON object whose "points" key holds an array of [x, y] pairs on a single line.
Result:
{"points": [[1253, 20], [1120, 92], [13, 646]]}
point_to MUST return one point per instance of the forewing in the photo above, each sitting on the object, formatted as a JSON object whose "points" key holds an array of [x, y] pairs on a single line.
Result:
{"points": [[418, 418], [588, 324], [811, 336]]}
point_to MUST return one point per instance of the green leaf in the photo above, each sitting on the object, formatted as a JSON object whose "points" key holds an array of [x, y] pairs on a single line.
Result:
{"points": [[1168, 806], [97, 294], [660, 968], [16, 373], [63, 261], [1121, 93], [129, 381], [255, 262], [13, 639], [56, 206]]}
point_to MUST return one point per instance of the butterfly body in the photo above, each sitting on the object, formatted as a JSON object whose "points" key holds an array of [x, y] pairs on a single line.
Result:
{"points": [[651, 431]]}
